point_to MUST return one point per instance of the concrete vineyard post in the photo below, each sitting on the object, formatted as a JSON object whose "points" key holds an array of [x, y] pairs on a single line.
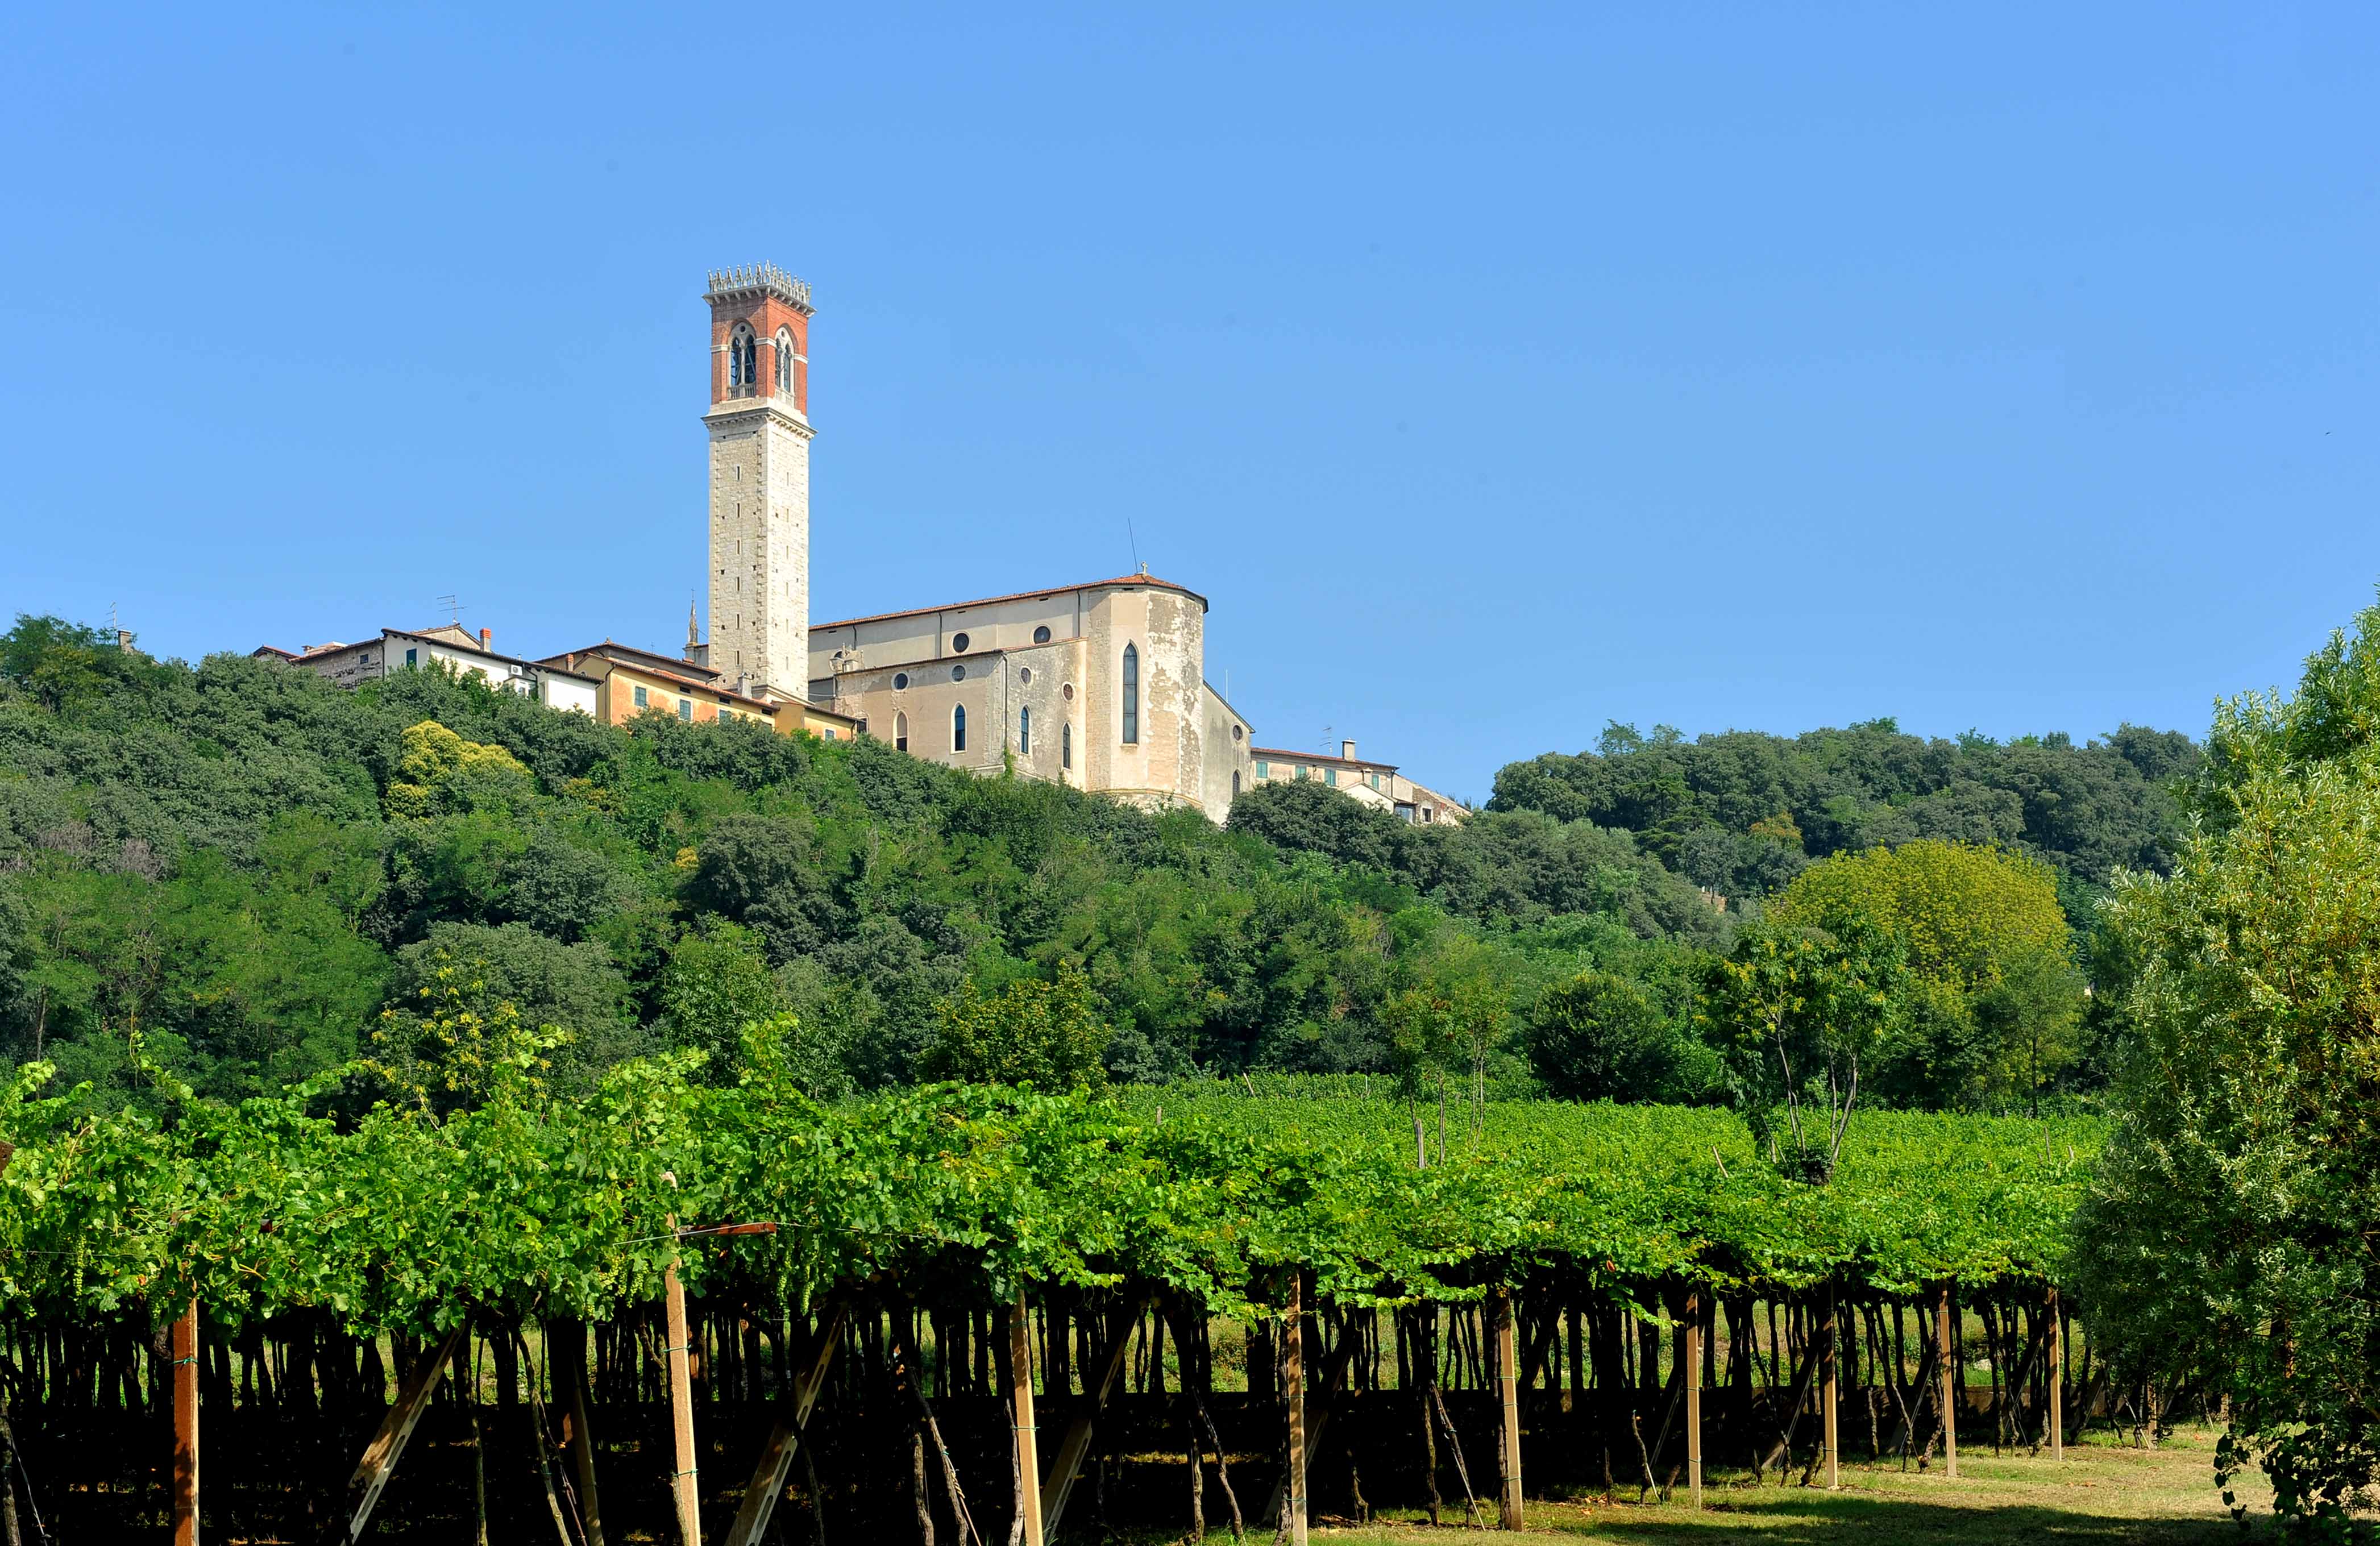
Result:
{"points": [[1508, 1380], [186, 1427], [1028, 1457]]}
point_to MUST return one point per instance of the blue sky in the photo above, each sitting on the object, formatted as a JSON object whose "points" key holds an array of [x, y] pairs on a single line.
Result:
{"points": [[1496, 372]]}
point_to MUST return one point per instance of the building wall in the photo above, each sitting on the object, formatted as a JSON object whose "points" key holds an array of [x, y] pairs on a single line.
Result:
{"points": [[376, 658], [617, 697], [1229, 769], [1167, 765], [760, 544], [925, 636], [1073, 685]]}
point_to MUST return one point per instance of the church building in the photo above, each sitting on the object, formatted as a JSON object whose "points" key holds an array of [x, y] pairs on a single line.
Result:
{"points": [[1100, 686]]}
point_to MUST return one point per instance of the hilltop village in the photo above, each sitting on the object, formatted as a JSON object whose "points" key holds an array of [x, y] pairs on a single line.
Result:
{"points": [[1099, 685]]}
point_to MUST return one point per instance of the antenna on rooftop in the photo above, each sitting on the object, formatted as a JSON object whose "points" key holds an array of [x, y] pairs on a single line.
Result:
{"points": [[1138, 568], [453, 607]]}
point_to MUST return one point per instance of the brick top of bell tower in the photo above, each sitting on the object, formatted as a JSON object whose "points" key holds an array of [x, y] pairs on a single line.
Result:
{"points": [[767, 311]]}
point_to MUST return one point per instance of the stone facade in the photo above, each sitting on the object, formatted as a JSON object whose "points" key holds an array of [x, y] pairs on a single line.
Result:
{"points": [[1040, 680]]}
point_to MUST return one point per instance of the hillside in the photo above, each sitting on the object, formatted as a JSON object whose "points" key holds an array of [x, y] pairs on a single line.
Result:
{"points": [[246, 872]]}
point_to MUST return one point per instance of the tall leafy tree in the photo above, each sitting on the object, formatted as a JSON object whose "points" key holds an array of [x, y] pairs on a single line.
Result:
{"points": [[2228, 1230]]}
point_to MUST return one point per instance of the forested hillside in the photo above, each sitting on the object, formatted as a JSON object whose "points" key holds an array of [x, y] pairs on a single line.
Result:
{"points": [[1742, 813], [248, 876]]}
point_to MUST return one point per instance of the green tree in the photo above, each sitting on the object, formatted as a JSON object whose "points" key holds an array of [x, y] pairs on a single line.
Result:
{"points": [[1600, 1037], [1045, 1034], [1799, 1010], [2228, 1234], [715, 985], [1965, 919]]}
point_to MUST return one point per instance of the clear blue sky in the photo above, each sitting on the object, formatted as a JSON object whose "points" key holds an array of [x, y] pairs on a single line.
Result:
{"points": [[1496, 373]]}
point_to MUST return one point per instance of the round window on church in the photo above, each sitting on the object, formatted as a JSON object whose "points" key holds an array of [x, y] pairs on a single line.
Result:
{"points": [[1238, 733], [1042, 634], [900, 680], [958, 674], [959, 642], [1067, 692], [1024, 676]]}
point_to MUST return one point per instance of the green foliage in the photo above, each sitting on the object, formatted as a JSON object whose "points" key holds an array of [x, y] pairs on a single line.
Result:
{"points": [[1603, 1037], [1798, 1010], [1044, 1034], [715, 985], [1992, 999], [484, 1191], [2228, 1231], [1733, 811]]}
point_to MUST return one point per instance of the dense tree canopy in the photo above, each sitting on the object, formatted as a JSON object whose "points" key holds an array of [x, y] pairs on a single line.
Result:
{"points": [[244, 874], [1742, 812], [2229, 1232]]}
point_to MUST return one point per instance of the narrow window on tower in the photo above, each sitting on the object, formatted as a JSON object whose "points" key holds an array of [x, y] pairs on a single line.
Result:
{"points": [[958, 727], [784, 362], [1065, 746], [901, 732], [1131, 696], [1025, 730]]}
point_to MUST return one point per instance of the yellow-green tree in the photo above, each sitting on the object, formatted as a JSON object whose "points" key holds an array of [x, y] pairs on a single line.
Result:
{"points": [[1994, 995], [1045, 1034]]}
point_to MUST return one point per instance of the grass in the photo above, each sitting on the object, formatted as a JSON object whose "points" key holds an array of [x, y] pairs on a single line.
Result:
{"points": [[2101, 1494]]}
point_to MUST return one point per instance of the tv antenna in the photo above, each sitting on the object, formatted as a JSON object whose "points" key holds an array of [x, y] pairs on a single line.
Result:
{"points": [[1134, 538], [453, 608]]}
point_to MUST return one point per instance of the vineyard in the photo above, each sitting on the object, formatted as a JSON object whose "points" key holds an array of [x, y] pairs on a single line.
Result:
{"points": [[606, 1317]]}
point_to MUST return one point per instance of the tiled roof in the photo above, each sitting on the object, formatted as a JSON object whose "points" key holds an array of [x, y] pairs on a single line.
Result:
{"points": [[1018, 596], [1282, 754]]}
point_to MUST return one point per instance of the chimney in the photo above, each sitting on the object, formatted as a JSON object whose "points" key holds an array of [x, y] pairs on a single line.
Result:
{"points": [[1347, 750], [487, 642]]}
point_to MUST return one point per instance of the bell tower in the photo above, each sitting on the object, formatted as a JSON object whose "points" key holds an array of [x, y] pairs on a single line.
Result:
{"points": [[759, 429]]}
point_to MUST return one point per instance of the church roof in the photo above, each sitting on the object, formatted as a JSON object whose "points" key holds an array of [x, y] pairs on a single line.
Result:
{"points": [[1017, 596], [1287, 754]]}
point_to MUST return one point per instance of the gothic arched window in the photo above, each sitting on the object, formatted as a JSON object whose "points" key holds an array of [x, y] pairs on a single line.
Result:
{"points": [[1065, 744], [1025, 731], [743, 361], [901, 732], [784, 362], [1131, 696], [958, 727]]}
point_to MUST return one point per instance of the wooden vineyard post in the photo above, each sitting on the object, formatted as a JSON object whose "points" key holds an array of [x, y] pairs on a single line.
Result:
{"points": [[1950, 1391], [777, 1456], [395, 1431], [186, 1427], [1028, 1458], [1067, 1468], [1292, 1375], [682, 1481], [1508, 1380], [1828, 1400], [1694, 1378], [2056, 1334]]}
